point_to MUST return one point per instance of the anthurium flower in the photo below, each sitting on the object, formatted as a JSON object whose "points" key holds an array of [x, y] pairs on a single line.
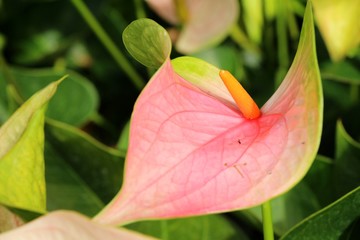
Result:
{"points": [[69, 225], [203, 22], [200, 146], [339, 25]]}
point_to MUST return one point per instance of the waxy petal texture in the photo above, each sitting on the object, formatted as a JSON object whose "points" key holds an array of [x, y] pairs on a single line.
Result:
{"points": [[192, 152], [65, 225]]}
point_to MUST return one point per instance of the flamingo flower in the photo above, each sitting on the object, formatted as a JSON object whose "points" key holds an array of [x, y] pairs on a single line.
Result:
{"points": [[198, 142], [199, 29]]}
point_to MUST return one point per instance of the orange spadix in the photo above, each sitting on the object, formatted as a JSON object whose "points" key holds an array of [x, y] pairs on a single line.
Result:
{"points": [[245, 103]]}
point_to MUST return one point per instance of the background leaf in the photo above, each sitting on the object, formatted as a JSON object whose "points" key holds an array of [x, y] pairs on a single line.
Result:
{"points": [[76, 101], [347, 162], [99, 166], [147, 34], [204, 227], [65, 189], [330, 222]]}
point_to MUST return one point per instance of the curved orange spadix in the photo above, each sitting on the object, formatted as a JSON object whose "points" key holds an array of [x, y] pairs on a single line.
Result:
{"points": [[245, 103]]}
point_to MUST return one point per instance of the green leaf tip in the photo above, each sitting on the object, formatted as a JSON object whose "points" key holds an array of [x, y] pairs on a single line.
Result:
{"points": [[22, 181], [147, 42]]}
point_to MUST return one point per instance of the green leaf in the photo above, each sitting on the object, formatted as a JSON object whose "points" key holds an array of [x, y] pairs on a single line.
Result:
{"points": [[304, 199], [65, 188], [80, 167], [330, 222], [347, 161], [147, 42], [22, 183], [333, 17], [342, 71], [319, 178], [124, 137], [204, 227], [289, 208], [202, 75], [77, 99], [224, 57], [99, 167], [39, 46]]}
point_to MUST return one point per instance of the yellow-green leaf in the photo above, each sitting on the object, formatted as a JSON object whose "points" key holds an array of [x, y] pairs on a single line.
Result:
{"points": [[22, 181]]}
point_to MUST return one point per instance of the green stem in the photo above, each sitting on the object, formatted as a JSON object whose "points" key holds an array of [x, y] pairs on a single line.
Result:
{"points": [[240, 38], [139, 9], [182, 11], [10, 79], [267, 221], [354, 93], [283, 54], [109, 44], [164, 230]]}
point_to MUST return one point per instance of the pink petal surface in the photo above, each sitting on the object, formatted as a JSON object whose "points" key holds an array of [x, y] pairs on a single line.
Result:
{"points": [[208, 21], [191, 153], [66, 225], [165, 9]]}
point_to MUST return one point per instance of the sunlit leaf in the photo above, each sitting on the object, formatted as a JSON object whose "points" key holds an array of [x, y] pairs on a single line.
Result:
{"points": [[22, 182], [253, 19], [192, 152], [338, 16]]}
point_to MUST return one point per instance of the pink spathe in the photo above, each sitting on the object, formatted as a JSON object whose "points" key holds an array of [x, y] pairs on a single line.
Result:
{"points": [[191, 151]]}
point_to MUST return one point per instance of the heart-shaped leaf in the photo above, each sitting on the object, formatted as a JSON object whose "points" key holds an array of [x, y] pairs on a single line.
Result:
{"points": [[77, 95], [147, 34], [22, 183], [192, 152]]}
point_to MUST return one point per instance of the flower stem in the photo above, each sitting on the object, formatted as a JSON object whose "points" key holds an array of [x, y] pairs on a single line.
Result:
{"points": [[108, 43], [267, 221], [283, 54], [240, 38], [139, 9]]}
